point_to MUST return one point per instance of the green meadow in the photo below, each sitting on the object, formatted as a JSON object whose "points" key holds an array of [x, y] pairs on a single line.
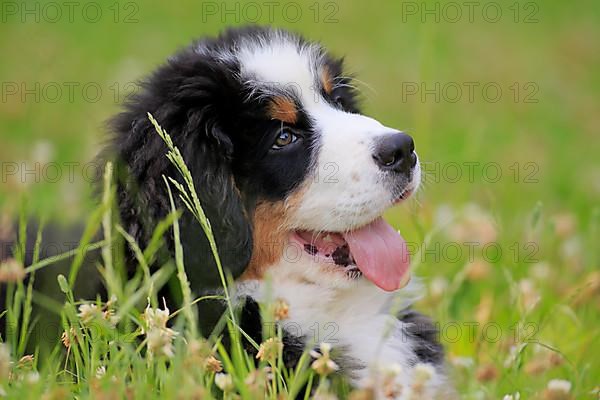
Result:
{"points": [[503, 100]]}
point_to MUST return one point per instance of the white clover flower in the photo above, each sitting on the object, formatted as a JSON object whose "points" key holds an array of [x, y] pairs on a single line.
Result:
{"points": [[388, 385], [424, 372], [110, 317], [88, 312], [159, 337], [42, 152], [529, 294], [156, 318], [559, 386], [12, 271], [444, 215], [32, 377], [323, 363], [438, 287], [100, 371], [394, 369], [224, 382], [160, 342], [541, 271], [462, 362]]}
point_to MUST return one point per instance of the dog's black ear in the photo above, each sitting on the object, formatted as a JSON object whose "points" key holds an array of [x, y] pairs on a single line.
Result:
{"points": [[189, 97]]}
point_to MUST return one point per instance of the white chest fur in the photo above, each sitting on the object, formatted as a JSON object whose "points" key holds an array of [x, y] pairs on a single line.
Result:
{"points": [[357, 321]]}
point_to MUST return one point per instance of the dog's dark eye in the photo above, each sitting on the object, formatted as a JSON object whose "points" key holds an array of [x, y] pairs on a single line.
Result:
{"points": [[285, 138]]}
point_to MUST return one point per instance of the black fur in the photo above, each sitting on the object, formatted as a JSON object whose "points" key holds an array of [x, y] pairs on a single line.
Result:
{"points": [[225, 140], [423, 336]]}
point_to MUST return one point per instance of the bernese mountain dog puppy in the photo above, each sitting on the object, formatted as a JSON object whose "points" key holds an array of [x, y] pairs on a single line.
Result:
{"points": [[294, 180]]}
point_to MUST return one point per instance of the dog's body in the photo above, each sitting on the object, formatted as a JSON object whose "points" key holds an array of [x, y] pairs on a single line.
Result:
{"points": [[294, 181]]}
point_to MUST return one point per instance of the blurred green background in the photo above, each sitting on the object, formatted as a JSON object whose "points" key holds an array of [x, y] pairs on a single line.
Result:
{"points": [[503, 99]]}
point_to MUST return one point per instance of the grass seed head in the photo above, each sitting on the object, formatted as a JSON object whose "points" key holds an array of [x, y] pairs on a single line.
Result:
{"points": [[26, 362], [269, 350], [211, 364], [68, 338], [281, 310]]}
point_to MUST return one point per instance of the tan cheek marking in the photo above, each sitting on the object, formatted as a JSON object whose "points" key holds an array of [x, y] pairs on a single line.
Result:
{"points": [[270, 234], [327, 80], [283, 109]]}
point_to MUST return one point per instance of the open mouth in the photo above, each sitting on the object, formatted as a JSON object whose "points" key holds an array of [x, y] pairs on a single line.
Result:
{"points": [[403, 196], [375, 250], [328, 248]]}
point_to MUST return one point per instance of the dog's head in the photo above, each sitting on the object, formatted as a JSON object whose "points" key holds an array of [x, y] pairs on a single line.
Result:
{"points": [[290, 174]]}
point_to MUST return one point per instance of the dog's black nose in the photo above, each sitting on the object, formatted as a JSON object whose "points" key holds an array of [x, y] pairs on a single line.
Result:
{"points": [[395, 152]]}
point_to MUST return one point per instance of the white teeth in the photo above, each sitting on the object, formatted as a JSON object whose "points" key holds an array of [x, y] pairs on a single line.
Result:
{"points": [[327, 238], [354, 274]]}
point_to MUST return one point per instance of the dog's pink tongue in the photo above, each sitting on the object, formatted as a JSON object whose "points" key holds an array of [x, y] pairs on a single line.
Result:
{"points": [[380, 253]]}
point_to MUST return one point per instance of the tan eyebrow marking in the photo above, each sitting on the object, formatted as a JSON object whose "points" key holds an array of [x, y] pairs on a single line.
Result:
{"points": [[283, 109], [327, 79]]}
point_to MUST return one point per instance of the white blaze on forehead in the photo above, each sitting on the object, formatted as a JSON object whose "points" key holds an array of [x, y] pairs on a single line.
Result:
{"points": [[282, 64]]}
